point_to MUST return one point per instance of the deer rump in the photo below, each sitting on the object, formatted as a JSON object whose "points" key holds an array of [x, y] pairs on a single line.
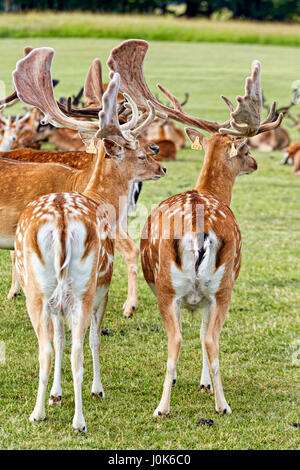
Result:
{"points": [[195, 274]]}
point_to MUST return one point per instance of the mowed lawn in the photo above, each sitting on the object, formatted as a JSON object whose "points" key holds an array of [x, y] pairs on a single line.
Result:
{"points": [[259, 350]]}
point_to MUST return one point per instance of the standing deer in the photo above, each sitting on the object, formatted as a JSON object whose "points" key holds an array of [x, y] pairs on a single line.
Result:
{"points": [[65, 241], [191, 243], [52, 177]]}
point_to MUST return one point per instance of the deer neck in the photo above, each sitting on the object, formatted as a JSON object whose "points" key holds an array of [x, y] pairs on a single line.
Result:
{"points": [[108, 185], [215, 178]]}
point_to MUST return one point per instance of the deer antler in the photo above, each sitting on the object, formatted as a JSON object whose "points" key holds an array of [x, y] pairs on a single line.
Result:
{"points": [[93, 86], [32, 79], [33, 83], [248, 110], [127, 59], [13, 97]]}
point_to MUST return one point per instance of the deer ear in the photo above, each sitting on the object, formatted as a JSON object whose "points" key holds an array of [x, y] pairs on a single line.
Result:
{"points": [[237, 148], [111, 148], [195, 137]]}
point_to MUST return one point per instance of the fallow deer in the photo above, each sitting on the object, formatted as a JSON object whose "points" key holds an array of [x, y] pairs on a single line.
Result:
{"points": [[11, 129], [275, 139], [52, 177], [292, 157], [191, 243], [65, 241]]}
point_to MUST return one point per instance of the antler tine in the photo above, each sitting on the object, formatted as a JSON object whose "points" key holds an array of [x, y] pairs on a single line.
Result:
{"points": [[186, 98], [33, 83], [228, 102], [13, 96], [135, 114], [150, 118], [127, 59], [109, 122], [271, 115], [22, 119], [171, 97], [271, 125]]}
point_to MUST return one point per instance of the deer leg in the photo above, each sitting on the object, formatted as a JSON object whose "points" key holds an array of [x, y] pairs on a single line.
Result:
{"points": [[40, 321], [130, 253], [95, 342], [205, 382], [15, 285], [168, 309], [59, 342], [80, 318], [216, 320]]}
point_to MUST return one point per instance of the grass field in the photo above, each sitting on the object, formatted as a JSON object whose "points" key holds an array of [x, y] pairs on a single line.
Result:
{"points": [[88, 25], [259, 346]]}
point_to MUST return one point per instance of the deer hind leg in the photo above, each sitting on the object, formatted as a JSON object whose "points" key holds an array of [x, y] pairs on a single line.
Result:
{"points": [[168, 309], [38, 312], [81, 314], [130, 253], [15, 285], [216, 320], [59, 343], [205, 382], [95, 340]]}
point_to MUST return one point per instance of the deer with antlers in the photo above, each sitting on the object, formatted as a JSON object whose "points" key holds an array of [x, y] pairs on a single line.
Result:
{"points": [[65, 241], [191, 243], [11, 130], [14, 195]]}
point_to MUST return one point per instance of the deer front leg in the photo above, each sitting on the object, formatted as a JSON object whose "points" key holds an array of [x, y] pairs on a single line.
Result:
{"points": [[59, 342], [217, 317], [15, 285], [168, 310], [130, 253]]}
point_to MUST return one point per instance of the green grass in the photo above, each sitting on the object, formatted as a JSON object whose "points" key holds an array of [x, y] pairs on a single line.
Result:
{"points": [[259, 353], [88, 25]]}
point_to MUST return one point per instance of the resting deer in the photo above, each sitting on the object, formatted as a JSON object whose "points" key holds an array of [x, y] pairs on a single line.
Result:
{"points": [[11, 130], [14, 194], [292, 156], [65, 241], [275, 139], [191, 243]]}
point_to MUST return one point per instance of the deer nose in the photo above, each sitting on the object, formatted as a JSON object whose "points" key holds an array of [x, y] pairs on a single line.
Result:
{"points": [[164, 169]]}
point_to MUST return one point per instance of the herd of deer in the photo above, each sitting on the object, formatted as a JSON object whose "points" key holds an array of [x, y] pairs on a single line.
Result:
{"points": [[62, 213]]}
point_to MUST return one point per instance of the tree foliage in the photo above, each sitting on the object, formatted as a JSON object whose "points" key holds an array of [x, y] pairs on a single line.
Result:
{"points": [[260, 10]]}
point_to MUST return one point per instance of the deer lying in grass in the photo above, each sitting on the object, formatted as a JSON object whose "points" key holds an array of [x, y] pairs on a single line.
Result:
{"points": [[275, 139], [11, 128], [14, 195], [292, 157], [191, 243], [65, 241]]}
